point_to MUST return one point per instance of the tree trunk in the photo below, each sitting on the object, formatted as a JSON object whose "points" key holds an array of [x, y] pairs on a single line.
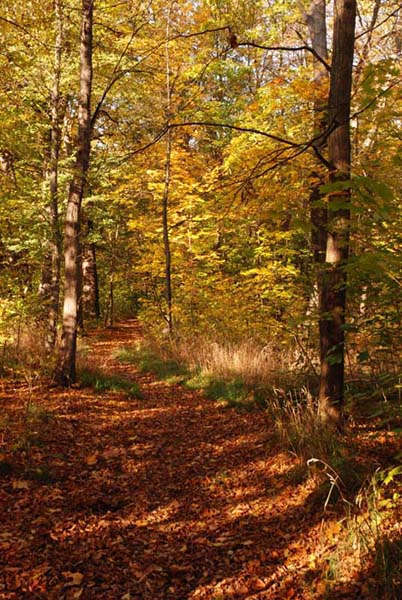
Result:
{"points": [[165, 200], [90, 287], [337, 247], [65, 371], [50, 283], [316, 21]]}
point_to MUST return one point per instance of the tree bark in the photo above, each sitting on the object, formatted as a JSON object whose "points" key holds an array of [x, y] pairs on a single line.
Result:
{"points": [[50, 284], [165, 199], [316, 21], [331, 393], [90, 287], [65, 370]]}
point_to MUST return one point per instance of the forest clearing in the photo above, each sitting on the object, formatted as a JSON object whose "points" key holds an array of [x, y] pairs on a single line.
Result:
{"points": [[200, 308]]}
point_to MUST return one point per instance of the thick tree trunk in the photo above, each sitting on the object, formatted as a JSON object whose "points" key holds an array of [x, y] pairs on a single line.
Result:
{"points": [[65, 371], [50, 284], [337, 246]]}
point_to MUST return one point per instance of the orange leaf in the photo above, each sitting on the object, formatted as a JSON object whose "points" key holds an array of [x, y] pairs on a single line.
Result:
{"points": [[20, 485], [73, 578], [92, 460]]}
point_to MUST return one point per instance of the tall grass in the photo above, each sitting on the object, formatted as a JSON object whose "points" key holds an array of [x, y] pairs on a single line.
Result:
{"points": [[247, 361], [22, 352]]}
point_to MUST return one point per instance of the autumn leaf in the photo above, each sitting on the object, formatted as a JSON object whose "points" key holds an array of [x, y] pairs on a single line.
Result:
{"points": [[91, 460], [20, 484], [74, 579], [333, 530]]}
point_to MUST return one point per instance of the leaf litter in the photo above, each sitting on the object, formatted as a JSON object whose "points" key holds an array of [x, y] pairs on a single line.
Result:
{"points": [[163, 497]]}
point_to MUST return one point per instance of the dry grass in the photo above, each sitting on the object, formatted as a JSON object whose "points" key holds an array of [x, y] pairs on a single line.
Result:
{"points": [[253, 364], [23, 353], [296, 419]]}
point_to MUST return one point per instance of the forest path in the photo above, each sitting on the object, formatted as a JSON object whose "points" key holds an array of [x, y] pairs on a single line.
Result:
{"points": [[165, 497]]}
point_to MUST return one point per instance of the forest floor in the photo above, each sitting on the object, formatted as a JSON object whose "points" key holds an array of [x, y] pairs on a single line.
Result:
{"points": [[164, 496]]}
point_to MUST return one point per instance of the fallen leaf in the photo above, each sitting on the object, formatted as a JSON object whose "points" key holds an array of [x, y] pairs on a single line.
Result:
{"points": [[321, 587], [259, 584], [333, 530], [20, 484], [73, 578], [112, 453], [92, 460], [242, 589], [177, 569]]}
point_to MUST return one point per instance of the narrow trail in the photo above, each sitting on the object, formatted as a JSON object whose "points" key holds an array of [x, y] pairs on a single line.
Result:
{"points": [[164, 497]]}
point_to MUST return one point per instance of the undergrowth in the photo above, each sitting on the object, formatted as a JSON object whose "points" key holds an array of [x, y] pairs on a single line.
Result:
{"points": [[371, 539], [357, 492], [22, 353], [102, 383]]}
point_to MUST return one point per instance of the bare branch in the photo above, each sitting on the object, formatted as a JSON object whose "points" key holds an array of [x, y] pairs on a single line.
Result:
{"points": [[288, 49], [375, 26], [236, 128]]}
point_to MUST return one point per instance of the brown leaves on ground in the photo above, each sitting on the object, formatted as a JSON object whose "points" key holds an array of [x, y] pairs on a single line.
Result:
{"points": [[167, 497]]}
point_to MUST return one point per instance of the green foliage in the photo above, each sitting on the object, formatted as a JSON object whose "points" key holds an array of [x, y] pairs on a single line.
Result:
{"points": [[369, 523], [125, 355], [231, 394], [168, 369], [102, 382]]}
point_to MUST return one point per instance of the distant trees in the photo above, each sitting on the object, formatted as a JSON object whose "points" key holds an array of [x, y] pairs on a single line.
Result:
{"points": [[238, 221]]}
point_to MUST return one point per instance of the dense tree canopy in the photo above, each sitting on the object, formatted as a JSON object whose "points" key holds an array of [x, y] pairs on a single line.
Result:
{"points": [[200, 307], [236, 87]]}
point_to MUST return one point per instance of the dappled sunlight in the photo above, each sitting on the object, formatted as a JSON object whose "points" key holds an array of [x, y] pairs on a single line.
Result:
{"points": [[169, 494]]}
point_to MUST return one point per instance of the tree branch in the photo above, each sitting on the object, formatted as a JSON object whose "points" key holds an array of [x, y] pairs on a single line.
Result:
{"points": [[288, 49], [374, 25], [236, 128], [24, 30]]}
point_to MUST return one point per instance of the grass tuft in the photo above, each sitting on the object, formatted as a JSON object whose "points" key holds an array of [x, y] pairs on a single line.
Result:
{"points": [[126, 356], [102, 382], [163, 367]]}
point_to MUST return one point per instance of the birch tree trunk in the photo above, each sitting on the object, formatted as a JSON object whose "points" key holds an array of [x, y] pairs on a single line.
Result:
{"points": [[65, 370], [333, 306]]}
